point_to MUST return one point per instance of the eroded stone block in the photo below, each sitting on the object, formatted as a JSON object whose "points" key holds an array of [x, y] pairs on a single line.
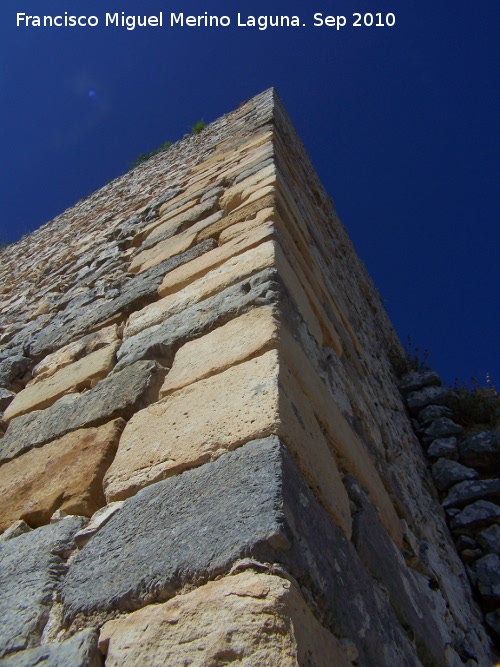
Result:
{"points": [[119, 395], [251, 502], [198, 423], [65, 474], [31, 567], [162, 340], [232, 271], [74, 377], [251, 619]]}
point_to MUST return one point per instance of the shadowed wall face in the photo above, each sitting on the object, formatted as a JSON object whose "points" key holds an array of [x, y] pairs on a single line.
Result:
{"points": [[196, 364]]}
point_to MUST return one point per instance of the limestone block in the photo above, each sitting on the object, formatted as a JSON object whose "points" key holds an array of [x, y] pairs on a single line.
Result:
{"points": [[236, 228], [236, 195], [254, 332], [75, 377], [80, 650], [178, 278], [206, 223], [119, 395], [31, 567], [250, 503], [162, 251], [254, 619], [198, 423], [259, 210], [162, 340], [65, 474], [74, 351], [135, 293], [233, 270]]}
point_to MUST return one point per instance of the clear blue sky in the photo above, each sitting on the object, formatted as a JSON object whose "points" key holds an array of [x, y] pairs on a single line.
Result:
{"points": [[401, 124]]}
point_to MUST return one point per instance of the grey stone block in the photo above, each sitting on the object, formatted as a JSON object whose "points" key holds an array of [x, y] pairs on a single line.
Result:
{"points": [[118, 395], [416, 381], [482, 451], [432, 412], [442, 428], [162, 340], [467, 492], [417, 400], [447, 473], [443, 447], [80, 650], [478, 515], [31, 567], [254, 503], [135, 293]]}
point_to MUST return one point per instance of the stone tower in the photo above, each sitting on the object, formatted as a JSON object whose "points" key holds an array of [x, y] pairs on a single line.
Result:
{"points": [[205, 457]]}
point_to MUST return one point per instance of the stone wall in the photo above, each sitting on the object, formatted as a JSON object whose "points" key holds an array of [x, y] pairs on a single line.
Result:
{"points": [[205, 456]]}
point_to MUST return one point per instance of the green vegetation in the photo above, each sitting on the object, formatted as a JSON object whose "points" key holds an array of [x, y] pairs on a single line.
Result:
{"points": [[412, 360], [145, 156], [475, 407], [198, 127]]}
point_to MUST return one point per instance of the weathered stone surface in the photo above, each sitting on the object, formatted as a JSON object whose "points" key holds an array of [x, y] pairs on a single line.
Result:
{"points": [[482, 451], [135, 293], [162, 251], [80, 650], [178, 278], [432, 412], [31, 567], [97, 521], [119, 395], [18, 528], [467, 492], [75, 377], [232, 271], [487, 570], [408, 595], [419, 380], [268, 514], [161, 341], [13, 368], [442, 428], [443, 448], [489, 539], [446, 473], [244, 337], [249, 619], [65, 474], [416, 400], [75, 351], [475, 516], [196, 424]]}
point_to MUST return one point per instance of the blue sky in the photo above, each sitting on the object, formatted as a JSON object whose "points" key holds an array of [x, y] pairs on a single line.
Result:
{"points": [[401, 124]]}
